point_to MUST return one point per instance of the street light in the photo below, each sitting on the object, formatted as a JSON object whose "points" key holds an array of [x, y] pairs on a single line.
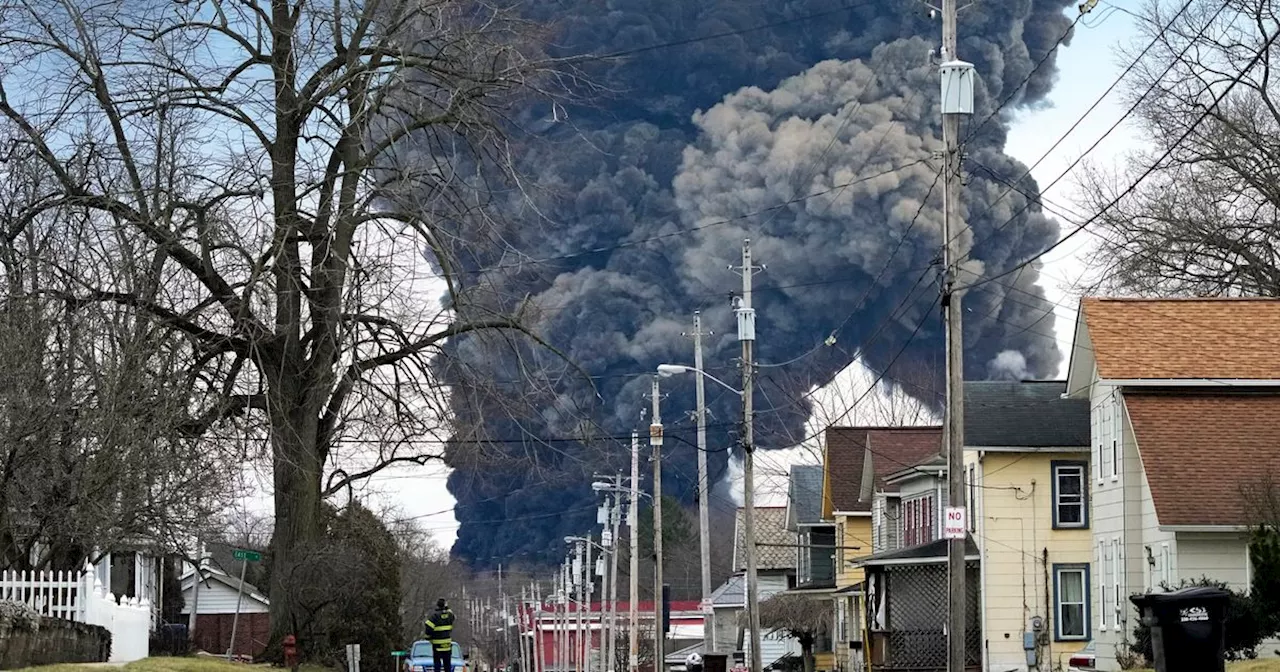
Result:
{"points": [[668, 370]]}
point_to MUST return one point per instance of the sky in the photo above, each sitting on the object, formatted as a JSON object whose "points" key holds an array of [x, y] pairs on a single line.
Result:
{"points": [[1087, 68]]}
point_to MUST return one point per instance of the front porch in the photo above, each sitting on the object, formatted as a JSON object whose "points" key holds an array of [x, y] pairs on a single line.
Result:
{"points": [[907, 609]]}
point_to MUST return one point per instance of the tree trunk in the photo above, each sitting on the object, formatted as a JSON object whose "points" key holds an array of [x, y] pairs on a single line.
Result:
{"points": [[296, 478], [806, 655]]}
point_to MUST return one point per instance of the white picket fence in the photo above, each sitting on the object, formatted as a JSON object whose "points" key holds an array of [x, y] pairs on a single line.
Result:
{"points": [[81, 597]]}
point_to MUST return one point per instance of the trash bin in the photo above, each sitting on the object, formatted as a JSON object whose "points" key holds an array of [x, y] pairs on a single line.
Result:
{"points": [[715, 662], [1187, 633]]}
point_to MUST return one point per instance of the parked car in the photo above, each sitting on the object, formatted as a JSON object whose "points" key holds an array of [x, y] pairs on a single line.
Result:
{"points": [[421, 659], [1085, 661]]}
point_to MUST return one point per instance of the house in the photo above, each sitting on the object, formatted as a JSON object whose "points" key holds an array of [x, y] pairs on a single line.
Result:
{"points": [[855, 462], [1027, 491], [1185, 419], [219, 598], [775, 571], [542, 626], [815, 551], [906, 584]]}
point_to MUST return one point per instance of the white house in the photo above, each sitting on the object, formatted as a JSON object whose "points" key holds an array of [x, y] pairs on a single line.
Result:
{"points": [[216, 602], [1185, 410]]}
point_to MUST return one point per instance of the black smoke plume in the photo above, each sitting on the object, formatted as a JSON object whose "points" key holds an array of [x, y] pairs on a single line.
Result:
{"points": [[634, 205]]}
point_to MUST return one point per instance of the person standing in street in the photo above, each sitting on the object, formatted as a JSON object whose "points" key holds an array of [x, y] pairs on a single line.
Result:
{"points": [[439, 629]]}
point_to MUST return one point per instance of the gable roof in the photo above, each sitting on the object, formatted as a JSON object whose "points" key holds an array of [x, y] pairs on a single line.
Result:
{"points": [[1177, 434], [210, 574], [804, 495], [1026, 414], [777, 545], [1183, 339], [859, 459]]}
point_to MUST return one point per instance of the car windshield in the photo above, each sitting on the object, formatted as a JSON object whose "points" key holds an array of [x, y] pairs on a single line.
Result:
{"points": [[457, 654], [421, 650]]}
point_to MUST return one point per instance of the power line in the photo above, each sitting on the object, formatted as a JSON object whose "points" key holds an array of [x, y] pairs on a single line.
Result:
{"points": [[1151, 169]]}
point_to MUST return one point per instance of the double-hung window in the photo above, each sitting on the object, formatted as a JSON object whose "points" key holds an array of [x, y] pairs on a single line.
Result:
{"points": [[1070, 495], [919, 514], [1071, 602]]}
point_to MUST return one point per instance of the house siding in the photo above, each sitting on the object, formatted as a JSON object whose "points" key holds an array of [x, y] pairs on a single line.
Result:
{"points": [[218, 598], [1117, 523], [850, 531], [1016, 539], [1221, 556]]}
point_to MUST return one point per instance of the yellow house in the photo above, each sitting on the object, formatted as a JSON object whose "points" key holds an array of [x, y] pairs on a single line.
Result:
{"points": [[855, 462], [1027, 483]]}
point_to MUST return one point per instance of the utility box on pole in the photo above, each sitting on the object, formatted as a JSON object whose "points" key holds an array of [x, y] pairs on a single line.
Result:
{"points": [[957, 87]]}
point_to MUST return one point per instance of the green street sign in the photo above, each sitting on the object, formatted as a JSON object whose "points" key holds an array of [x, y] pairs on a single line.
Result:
{"points": [[246, 555], [399, 654]]}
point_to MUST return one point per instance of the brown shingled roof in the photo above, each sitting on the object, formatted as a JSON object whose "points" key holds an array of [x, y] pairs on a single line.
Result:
{"points": [[890, 449], [1201, 450], [1184, 338]]}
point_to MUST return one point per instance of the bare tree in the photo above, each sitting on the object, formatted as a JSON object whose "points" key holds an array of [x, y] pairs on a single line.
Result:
{"points": [[92, 400], [803, 617], [1205, 221], [269, 177]]}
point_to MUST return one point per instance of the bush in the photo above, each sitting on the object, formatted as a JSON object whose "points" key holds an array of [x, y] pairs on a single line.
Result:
{"points": [[1244, 629], [18, 616]]}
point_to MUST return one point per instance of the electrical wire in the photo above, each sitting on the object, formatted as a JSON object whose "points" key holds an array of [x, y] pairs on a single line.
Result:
{"points": [[1151, 169]]}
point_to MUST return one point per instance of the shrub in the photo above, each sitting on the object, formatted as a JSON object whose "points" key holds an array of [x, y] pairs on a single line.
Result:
{"points": [[1244, 629], [18, 616]]}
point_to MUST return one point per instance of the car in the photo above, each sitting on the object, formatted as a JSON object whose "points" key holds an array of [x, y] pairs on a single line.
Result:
{"points": [[1084, 661], [420, 658]]}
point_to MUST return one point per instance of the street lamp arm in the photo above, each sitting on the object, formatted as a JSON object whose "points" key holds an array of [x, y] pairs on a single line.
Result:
{"points": [[671, 369]]}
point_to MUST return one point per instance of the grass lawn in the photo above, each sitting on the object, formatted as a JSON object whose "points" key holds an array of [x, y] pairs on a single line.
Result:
{"points": [[1267, 665], [187, 664]]}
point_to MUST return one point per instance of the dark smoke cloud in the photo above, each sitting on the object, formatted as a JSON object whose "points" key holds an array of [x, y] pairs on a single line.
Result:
{"points": [[716, 131]]}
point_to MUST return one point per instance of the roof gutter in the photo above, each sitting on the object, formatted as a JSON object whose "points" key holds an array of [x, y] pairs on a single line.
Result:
{"points": [[852, 514], [1190, 382], [1204, 528], [1028, 449]]}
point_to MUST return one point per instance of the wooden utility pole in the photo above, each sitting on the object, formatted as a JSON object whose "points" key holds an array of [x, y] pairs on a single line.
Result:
{"points": [[655, 440], [704, 488], [957, 100], [747, 335], [633, 597]]}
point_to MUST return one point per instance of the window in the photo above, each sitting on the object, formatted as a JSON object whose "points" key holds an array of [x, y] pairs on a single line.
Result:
{"points": [[1166, 567], [918, 515], [840, 544], [1114, 434], [1104, 570], [1117, 574], [1070, 496], [973, 498], [1071, 602]]}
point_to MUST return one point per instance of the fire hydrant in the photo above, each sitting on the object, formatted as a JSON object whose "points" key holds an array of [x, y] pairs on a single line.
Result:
{"points": [[290, 646]]}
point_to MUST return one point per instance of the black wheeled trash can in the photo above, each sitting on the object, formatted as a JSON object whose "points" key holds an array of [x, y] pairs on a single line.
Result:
{"points": [[1187, 632]]}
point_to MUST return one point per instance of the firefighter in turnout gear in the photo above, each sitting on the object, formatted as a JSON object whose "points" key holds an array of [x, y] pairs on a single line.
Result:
{"points": [[440, 633]]}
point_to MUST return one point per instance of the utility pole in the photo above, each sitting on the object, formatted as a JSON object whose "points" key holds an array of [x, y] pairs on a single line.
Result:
{"points": [[957, 99], [633, 597], [539, 646], [588, 589], [747, 334], [615, 514], [704, 512], [655, 440]]}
